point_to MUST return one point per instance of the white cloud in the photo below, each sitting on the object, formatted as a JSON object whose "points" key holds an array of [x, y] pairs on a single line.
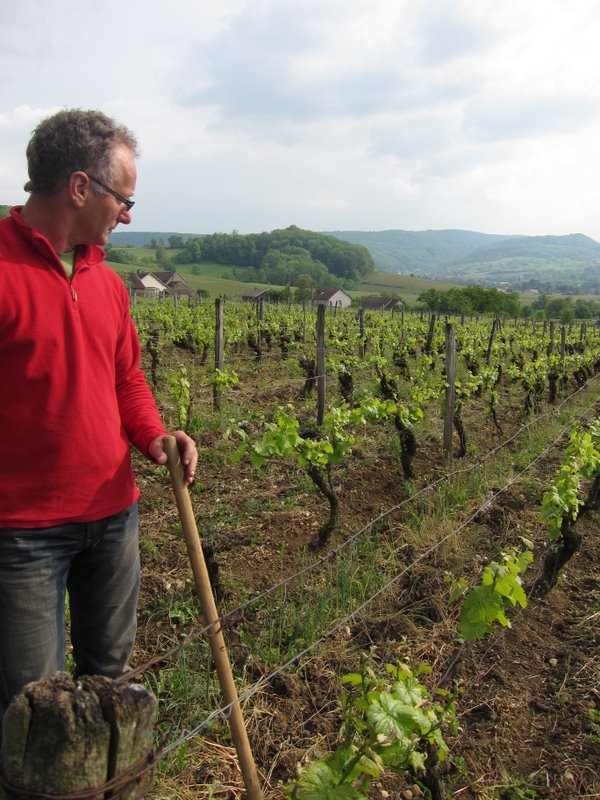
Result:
{"points": [[329, 114]]}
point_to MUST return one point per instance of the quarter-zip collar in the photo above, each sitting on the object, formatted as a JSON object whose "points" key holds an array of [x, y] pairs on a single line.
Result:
{"points": [[85, 255]]}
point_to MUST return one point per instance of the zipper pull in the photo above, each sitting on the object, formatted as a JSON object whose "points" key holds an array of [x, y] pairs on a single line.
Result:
{"points": [[73, 293]]}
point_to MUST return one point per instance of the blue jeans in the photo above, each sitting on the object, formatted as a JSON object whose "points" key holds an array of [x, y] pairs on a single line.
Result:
{"points": [[98, 564]]}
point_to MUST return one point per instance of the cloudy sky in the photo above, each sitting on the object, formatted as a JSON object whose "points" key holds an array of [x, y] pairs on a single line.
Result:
{"points": [[327, 114]]}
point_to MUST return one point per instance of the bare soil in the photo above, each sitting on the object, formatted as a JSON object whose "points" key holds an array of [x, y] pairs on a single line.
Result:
{"points": [[528, 697]]}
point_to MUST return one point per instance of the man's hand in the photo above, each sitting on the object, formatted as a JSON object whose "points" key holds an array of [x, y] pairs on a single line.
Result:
{"points": [[187, 453]]}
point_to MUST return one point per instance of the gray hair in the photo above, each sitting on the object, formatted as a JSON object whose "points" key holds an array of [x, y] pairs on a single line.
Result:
{"points": [[72, 140]]}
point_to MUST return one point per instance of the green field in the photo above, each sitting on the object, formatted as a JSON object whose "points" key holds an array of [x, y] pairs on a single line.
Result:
{"points": [[406, 286], [218, 281]]}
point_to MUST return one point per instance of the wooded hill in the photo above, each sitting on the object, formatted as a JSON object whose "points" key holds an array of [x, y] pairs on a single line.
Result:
{"points": [[278, 257], [418, 251]]}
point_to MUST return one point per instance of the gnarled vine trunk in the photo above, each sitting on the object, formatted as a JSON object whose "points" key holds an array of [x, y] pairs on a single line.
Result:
{"points": [[322, 480], [558, 555], [346, 382], [460, 430], [408, 447]]}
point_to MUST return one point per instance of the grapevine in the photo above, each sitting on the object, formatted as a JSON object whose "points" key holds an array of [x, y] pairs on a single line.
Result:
{"points": [[484, 606], [390, 723], [562, 502]]}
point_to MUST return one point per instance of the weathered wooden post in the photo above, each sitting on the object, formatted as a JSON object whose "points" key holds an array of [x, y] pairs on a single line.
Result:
{"points": [[550, 348], [450, 389], [429, 342], [491, 341], [64, 736], [361, 333], [320, 363], [304, 320], [260, 316], [219, 349]]}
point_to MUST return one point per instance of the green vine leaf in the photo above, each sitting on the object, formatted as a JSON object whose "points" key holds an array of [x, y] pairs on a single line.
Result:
{"points": [[392, 718], [410, 691], [319, 781], [481, 608], [379, 731], [501, 587]]}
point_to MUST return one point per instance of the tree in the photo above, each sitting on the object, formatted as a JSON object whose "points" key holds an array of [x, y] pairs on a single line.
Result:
{"points": [[455, 301], [539, 302], [305, 289], [161, 256], [431, 299], [176, 241], [479, 298], [560, 308], [286, 265], [512, 305], [586, 309], [118, 256], [191, 252]]}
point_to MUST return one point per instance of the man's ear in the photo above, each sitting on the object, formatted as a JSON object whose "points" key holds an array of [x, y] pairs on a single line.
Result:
{"points": [[79, 188]]}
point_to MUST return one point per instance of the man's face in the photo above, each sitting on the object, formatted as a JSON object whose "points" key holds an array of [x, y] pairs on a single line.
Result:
{"points": [[105, 211]]}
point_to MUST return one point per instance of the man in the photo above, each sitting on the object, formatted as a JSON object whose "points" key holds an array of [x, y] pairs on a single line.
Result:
{"points": [[72, 398]]}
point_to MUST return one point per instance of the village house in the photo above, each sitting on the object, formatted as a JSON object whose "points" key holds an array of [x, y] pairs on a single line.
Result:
{"points": [[157, 284], [255, 295], [332, 297]]}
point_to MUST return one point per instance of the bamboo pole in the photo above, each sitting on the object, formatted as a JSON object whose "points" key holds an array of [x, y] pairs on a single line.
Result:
{"points": [[215, 633]]}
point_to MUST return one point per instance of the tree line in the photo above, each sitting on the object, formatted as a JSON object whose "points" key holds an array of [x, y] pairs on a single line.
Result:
{"points": [[477, 300], [471, 300]]}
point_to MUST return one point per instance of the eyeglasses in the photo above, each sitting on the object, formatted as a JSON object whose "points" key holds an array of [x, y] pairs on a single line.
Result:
{"points": [[129, 204]]}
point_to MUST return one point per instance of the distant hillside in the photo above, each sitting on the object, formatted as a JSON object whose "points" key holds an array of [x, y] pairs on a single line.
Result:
{"points": [[574, 247], [418, 251], [569, 263]]}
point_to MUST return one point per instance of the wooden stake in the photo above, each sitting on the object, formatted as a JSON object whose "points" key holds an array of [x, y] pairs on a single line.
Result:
{"points": [[215, 634], [450, 389], [219, 349], [321, 377]]}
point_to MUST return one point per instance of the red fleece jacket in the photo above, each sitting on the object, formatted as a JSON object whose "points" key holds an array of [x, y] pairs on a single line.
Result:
{"points": [[72, 394]]}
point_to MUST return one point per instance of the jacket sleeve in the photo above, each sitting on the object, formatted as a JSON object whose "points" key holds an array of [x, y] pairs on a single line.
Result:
{"points": [[139, 414]]}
